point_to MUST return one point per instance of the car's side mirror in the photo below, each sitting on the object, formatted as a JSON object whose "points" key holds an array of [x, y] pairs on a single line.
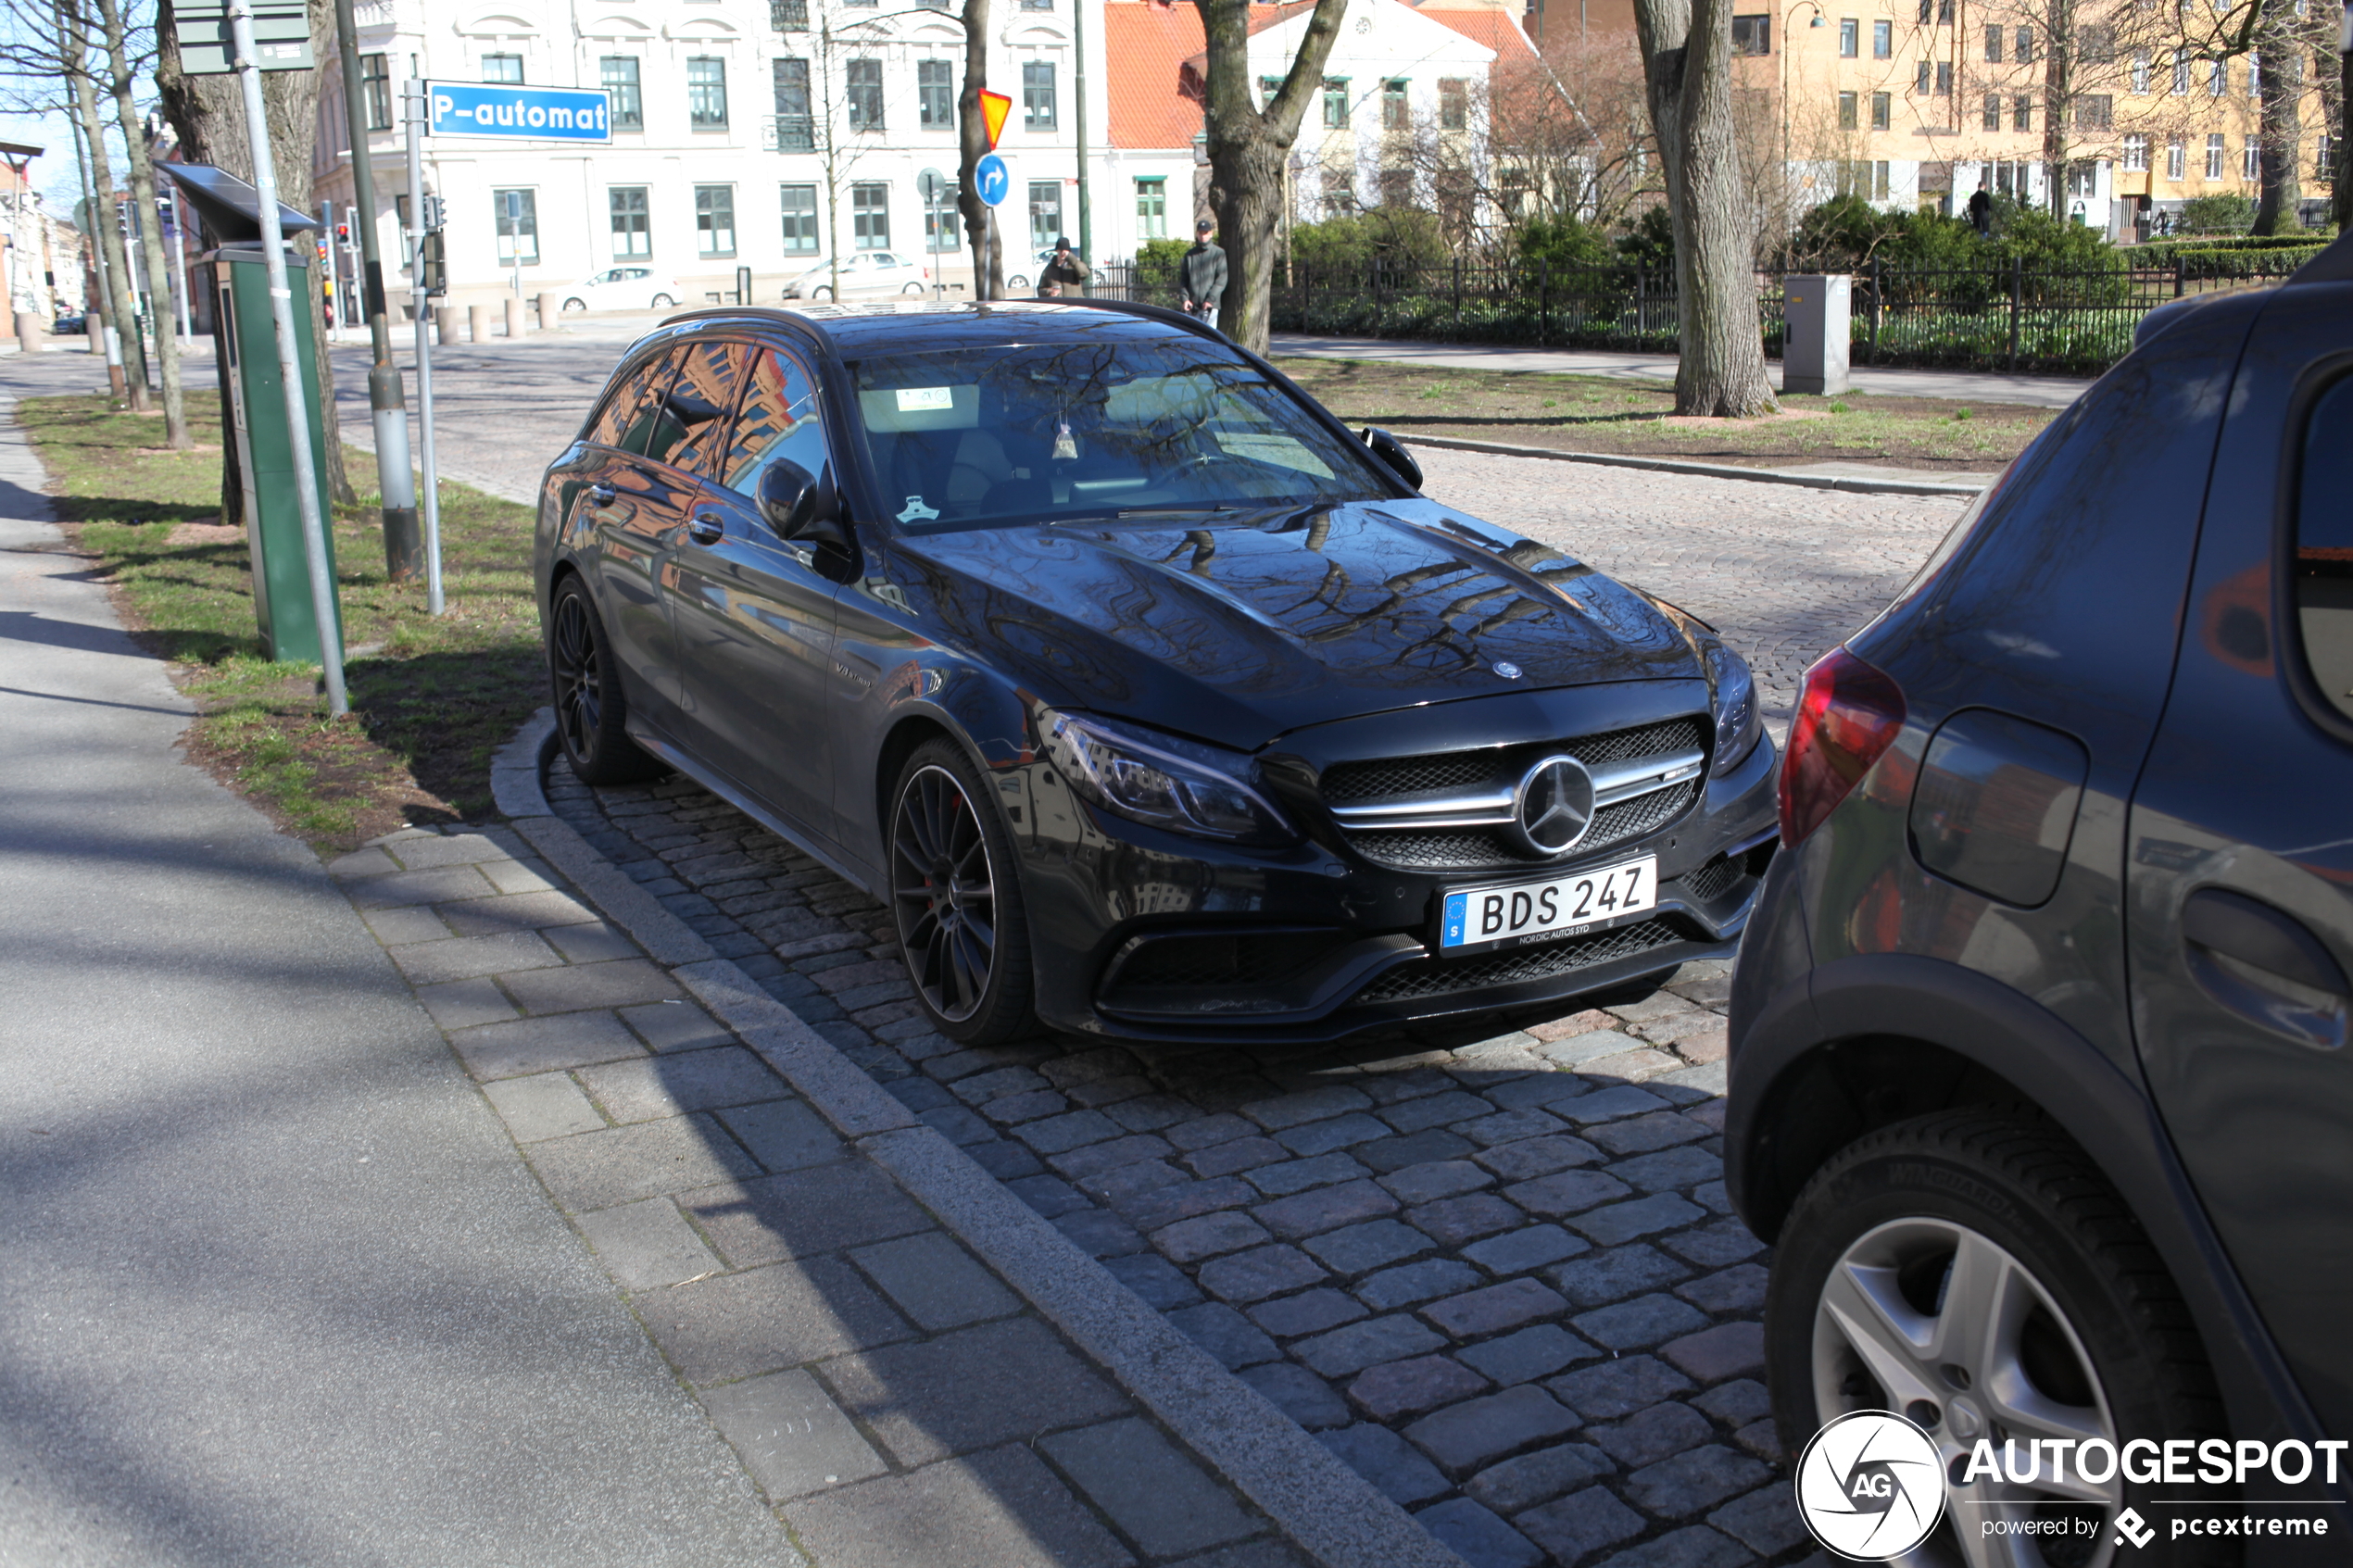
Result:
{"points": [[1391, 450], [802, 507]]}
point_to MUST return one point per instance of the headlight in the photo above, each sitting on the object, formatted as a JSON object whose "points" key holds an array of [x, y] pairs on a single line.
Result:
{"points": [[1178, 784], [1739, 722]]}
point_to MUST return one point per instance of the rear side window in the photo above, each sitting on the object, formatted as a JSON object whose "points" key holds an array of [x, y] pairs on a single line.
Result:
{"points": [[614, 423], [693, 434], [2323, 581]]}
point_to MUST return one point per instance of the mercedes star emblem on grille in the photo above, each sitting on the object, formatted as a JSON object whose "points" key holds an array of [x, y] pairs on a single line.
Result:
{"points": [[1554, 805]]}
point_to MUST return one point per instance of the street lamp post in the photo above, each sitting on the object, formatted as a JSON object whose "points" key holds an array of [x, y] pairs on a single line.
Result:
{"points": [[1787, 197]]}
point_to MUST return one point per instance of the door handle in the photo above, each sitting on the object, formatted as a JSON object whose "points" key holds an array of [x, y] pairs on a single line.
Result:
{"points": [[2280, 976], [602, 494], [706, 529]]}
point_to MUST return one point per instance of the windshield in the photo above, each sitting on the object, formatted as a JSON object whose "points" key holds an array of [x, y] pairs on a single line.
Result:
{"points": [[995, 437]]}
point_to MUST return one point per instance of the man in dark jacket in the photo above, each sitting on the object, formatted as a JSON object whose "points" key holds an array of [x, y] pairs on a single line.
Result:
{"points": [[1201, 276], [1064, 269], [1981, 209]]}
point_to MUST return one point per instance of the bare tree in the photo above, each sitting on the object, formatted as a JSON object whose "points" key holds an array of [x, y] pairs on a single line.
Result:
{"points": [[972, 146], [143, 195], [120, 304], [1687, 56], [1247, 146]]}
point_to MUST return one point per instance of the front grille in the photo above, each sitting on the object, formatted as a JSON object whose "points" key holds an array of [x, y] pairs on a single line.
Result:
{"points": [[1711, 880], [1245, 959], [1649, 740], [1438, 849], [1439, 977], [1351, 782]]}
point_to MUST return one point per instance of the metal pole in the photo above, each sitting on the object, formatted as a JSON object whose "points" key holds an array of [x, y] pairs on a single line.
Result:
{"points": [[273, 250], [1086, 202], [404, 552], [180, 267], [413, 111]]}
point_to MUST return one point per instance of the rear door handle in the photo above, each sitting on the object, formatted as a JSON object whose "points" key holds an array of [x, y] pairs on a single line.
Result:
{"points": [[2280, 976], [706, 529], [602, 494]]}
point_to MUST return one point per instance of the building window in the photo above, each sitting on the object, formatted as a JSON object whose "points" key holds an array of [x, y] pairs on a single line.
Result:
{"points": [[869, 217], [518, 214], [1849, 32], [1848, 119], [2218, 147], [1751, 35], [2083, 179], [1928, 10], [1045, 213], [618, 75], [632, 231], [1151, 209], [1396, 113], [2140, 73], [1866, 177], [2324, 162], [1882, 40], [1880, 102], [2136, 153], [935, 95], [800, 203], [2176, 159], [2254, 76], [1922, 75], [1038, 96], [375, 91], [2218, 79], [1036, 4], [2095, 111], [864, 94], [2096, 45], [1944, 79], [2251, 161], [1943, 13], [506, 68], [2024, 52], [1453, 105], [2181, 75], [1334, 103], [1993, 45], [707, 93], [715, 220], [2023, 112], [1267, 87], [788, 15], [1993, 111], [796, 128]]}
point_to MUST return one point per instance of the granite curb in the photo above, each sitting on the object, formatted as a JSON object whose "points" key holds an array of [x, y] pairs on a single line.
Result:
{"points": [[1707, 470], [1323, 1505]]}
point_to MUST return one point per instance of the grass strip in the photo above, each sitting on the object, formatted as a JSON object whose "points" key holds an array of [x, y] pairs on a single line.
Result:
{"points": [[432, 698]]}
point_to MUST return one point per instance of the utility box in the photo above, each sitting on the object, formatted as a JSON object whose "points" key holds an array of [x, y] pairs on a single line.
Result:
{"points": [[1815, 312], [265, 446]]}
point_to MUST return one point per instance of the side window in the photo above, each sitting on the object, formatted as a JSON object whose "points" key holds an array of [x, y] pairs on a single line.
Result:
{"points": [[779, 419], [2324, 546], [697, 407], [616, 420]]}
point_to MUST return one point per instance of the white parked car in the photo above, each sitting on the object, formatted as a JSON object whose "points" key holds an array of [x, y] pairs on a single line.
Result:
{"points": [[624, 288], [868, 272], [1018, 282]]}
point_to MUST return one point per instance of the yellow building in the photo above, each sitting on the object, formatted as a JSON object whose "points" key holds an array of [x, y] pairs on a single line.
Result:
{"points": [[1920, 102]]}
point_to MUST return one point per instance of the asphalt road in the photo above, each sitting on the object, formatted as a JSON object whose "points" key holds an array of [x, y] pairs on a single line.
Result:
{"points": [[273, 1287]]}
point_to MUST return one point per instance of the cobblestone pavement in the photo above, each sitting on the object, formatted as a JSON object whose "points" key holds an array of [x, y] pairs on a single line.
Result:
{"points": [[1492, 1268], [897, 1404]]}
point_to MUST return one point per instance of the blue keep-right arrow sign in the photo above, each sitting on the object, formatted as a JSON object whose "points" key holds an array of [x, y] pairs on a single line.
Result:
{"points": [[992, 179]]}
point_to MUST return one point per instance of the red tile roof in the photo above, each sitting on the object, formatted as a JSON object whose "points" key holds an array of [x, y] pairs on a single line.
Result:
{"points": [[1148, 45], [1485, 24]]}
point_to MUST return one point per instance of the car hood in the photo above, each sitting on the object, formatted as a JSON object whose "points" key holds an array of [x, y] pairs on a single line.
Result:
{"points": [[1238, 628]]}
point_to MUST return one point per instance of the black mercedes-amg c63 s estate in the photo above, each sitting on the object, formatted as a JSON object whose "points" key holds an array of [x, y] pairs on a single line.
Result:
{"points": [[1152, 700]]}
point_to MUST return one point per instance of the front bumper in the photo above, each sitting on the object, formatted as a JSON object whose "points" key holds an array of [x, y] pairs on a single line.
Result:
{"points": [[1145, 936]]}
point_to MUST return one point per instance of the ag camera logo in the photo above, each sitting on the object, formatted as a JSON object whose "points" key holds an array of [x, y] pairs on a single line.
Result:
{"points": [[1870, 1485]]}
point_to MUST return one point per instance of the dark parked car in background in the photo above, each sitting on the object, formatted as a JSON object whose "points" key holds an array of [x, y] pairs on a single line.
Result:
{"points": [[1154, 702], [2039, 1077]]}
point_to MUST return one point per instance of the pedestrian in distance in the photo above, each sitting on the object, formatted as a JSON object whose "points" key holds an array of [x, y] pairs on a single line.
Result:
{"points": [[1981, 208], [1201, 276], [1065, 269]]}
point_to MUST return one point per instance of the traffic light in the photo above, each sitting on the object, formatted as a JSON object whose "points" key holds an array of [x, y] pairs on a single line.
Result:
{"points": [[435, 274], [343, 233], [434, 218]]}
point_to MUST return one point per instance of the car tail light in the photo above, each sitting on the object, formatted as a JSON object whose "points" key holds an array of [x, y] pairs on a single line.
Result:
{"points": [[1850, 714]]}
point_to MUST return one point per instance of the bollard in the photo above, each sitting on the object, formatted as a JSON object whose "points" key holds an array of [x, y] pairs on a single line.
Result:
{"points": [[1814, 311], [550, 309], [445, 324], [514, 316], [478, 323], [29, 331]]}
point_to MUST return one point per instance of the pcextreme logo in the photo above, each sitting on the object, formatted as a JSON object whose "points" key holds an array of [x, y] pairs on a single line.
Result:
{"points": [[1870, 1485]]}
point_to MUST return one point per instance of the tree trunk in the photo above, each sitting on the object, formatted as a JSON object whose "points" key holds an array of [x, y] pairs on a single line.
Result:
{"points": [[142, 196], [972, 146], [2058, 86], [2280, 59], [122, 308], [1687, 67], [1248, 147]]}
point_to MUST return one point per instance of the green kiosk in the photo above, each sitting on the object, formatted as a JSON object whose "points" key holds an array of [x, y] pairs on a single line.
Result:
{"points": [[245, 331]]}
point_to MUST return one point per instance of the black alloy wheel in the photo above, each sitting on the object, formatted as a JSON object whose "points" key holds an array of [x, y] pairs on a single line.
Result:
{"points": [[955, 895], [591, 713]]}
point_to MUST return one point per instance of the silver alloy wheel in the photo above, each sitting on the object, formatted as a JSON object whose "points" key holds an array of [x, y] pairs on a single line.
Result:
{"points": [[944, 892], [1961, 1369]]}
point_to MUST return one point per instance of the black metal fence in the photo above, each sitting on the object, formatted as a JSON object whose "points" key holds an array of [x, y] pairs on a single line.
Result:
{"points": [[2008, 316]]}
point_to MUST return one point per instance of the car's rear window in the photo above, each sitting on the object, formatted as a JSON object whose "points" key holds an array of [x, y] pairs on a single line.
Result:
{"points": [[1001, 436]]}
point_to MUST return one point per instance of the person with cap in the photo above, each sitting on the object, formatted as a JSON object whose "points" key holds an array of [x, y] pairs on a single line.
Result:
{"points": [[1065, 269], [1201, 276]]}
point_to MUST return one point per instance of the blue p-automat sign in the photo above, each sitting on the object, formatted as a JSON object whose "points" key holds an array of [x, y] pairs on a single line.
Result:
{"points": [[561, 114]]}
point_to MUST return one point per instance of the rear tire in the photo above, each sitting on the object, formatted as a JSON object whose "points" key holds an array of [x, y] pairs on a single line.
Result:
{"points": [[955, 893], [592, 713], [1973, 1271], [914, 289], [573, 305], [820, 292], [663, 302]]}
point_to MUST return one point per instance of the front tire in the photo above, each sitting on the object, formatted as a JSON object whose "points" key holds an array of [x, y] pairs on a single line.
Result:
{"points": [[592, 713], [820, 293], [914, 289], [663, 302], [575, 304], [1973, 1271], [955, 893]]}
